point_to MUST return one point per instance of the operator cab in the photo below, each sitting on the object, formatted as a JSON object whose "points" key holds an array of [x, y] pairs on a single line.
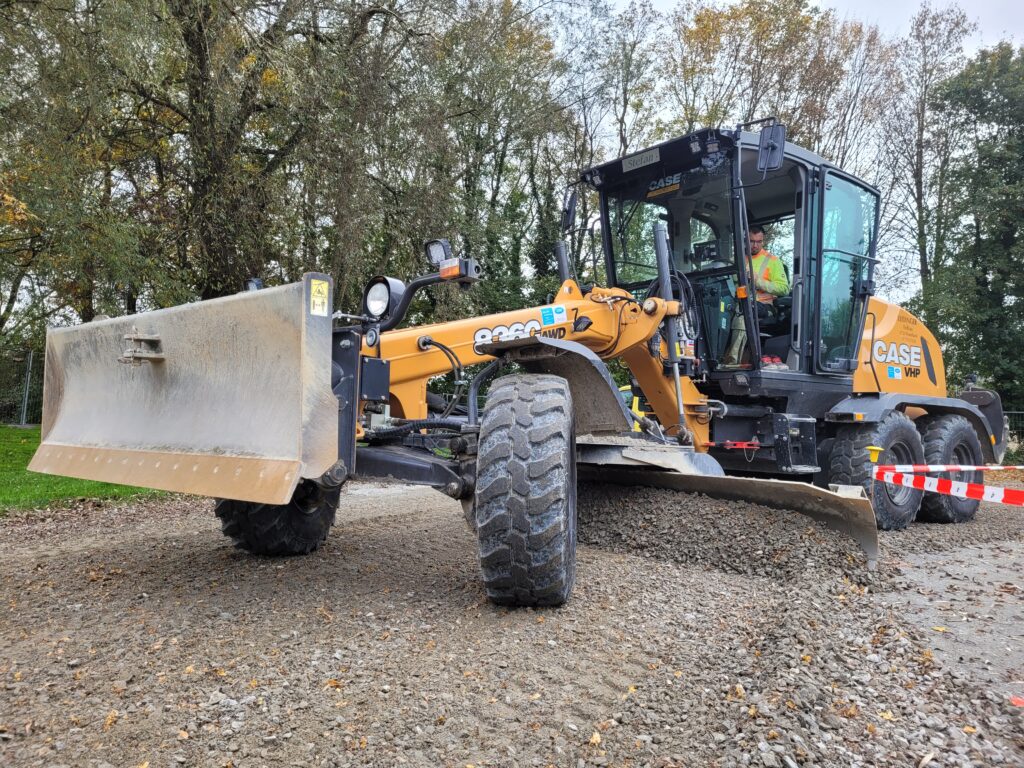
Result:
{"points": [[819, 223]]}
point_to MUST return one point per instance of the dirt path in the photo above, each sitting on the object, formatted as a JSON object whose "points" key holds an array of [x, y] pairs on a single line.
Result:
{"points": [[972, 598], [698, 634]]}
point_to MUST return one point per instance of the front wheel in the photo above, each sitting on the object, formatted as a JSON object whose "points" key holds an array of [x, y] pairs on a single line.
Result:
{"points": [[295, 528], [525, 506]]}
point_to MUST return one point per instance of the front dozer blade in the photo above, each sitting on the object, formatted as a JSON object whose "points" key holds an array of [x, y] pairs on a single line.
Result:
{"points": [[844, 508], [229, 397]]}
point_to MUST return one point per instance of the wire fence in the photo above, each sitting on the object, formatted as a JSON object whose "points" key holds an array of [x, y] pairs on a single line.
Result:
{"points": [[21, 386], [1015, 445]]}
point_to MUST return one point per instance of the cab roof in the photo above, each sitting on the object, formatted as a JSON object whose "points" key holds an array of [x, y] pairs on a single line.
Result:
{"points": [[678, 153]]}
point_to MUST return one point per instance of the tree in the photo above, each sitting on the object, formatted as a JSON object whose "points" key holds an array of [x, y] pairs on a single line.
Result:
{"points": [[583, 141], [826, 78], [703, 71], [979, 292], [71, 242], [629, 58], [921, 142]]}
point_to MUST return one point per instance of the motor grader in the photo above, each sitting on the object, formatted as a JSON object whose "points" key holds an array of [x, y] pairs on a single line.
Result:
{"points": [[271, 401]]}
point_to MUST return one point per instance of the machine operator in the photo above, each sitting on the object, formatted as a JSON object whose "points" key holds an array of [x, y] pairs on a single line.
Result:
{"points": [[770, 280], [769, 275]]}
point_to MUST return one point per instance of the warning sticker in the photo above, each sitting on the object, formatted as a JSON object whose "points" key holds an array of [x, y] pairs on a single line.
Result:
{"points": [[553, 315], [318, 293]]}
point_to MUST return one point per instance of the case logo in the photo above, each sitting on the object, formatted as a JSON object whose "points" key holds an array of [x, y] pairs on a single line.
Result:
{"points": [[664, 185], [903, 354]]}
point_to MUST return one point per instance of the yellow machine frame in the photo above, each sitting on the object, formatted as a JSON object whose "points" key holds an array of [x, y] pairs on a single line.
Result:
{"points": [[620, 327]]}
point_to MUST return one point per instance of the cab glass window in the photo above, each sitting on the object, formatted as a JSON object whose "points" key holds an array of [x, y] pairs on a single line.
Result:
{"points": [[847, 242], [632, 223]]}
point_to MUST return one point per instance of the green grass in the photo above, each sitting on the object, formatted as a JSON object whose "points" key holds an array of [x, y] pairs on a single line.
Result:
{"points": [[20, 488]]}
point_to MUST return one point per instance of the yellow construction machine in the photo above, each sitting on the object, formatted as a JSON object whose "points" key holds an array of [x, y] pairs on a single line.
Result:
{"points": [[270, 400]]}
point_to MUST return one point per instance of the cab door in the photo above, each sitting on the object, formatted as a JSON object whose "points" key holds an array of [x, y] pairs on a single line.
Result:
{"points": [[846, 236]]}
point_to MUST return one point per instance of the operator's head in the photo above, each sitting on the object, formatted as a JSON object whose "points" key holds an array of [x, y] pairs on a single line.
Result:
{"points": [[756, 239]]}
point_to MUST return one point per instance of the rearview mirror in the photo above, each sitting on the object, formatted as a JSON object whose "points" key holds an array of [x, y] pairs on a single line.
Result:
{"points": [[771, 147], [569, 213]]}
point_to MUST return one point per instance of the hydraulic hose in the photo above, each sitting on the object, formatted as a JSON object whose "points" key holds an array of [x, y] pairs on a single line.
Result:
{"points": [[458, 372], [412, 426]]}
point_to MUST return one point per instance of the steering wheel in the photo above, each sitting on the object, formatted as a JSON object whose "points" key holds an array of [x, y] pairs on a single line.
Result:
{"points": [[843, 352]]}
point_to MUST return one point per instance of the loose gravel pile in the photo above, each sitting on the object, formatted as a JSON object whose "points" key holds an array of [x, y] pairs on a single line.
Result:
{"points": [[700, 634], [724, 536], [822, 672]]}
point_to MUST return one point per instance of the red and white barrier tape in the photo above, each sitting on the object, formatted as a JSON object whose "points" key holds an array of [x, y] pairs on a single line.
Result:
{"points": [[920, 468], [900, 474]]}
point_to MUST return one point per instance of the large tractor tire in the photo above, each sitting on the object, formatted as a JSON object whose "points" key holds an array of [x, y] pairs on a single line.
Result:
{"points": [[295, 528], [526, 491], [1004, 443], [469, 512], [850, 464], [949, 439]]}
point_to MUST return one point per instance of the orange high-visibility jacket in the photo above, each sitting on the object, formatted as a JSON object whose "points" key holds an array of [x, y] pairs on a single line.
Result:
{"points": [[770, 276]]}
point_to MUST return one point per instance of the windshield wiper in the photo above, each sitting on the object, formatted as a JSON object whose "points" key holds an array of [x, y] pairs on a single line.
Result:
{"points": [[620, 230]]}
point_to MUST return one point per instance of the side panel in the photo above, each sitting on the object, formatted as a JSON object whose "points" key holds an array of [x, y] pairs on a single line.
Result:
{"points": [[605, 322], [898, 354]]}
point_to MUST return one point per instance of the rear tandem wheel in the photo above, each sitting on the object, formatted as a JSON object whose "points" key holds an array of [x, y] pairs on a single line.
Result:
{"points": [[895, 506], [949, 439]]}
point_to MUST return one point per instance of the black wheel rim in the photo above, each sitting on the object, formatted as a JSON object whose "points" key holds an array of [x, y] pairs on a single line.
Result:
{"points": [[898, 453], [963, 455]]}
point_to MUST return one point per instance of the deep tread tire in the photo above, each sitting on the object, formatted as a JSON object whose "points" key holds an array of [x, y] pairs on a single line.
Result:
{"points": [[526, 491], [469, 512], [949, 439], [295, 528], [1004, 443], [850, 464]]}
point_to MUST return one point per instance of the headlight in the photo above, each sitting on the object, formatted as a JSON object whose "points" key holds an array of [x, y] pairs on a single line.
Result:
{"points": [[378, 296]]}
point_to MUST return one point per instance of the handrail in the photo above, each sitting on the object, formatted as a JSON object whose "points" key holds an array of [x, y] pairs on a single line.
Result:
{"points": [[871, 359]]}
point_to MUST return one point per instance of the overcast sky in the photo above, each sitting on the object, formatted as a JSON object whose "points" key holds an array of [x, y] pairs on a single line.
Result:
{"points": [[996, 19]]}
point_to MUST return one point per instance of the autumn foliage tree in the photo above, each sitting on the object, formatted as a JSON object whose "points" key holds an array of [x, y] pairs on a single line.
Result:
{"points": [[159, 152], [978, 293]]}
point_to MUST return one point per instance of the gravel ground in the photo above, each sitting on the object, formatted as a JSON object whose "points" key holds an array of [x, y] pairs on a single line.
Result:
{"points": [[699, 634]]}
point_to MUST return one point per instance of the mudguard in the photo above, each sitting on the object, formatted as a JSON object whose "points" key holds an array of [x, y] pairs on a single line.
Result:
{"points": [[589, 379], [874, 407]]}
